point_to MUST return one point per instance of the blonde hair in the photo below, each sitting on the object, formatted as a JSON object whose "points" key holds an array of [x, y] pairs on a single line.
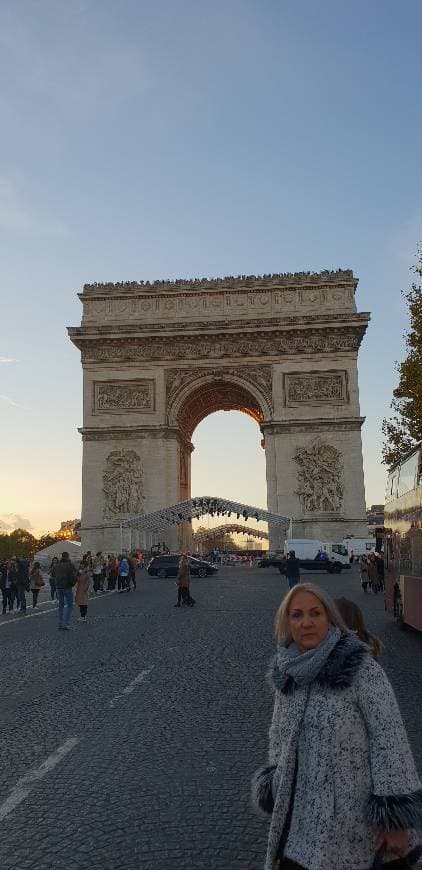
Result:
{"points": [[281, 625]]}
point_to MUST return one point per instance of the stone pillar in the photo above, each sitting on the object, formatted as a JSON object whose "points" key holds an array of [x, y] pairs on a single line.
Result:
{"points": [[108, 455], [314, 452]]}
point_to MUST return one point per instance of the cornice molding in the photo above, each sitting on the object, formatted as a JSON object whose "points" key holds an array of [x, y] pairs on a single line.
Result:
{"points": [[139, 328], [224, 346], [130, 433], [347, 424]]}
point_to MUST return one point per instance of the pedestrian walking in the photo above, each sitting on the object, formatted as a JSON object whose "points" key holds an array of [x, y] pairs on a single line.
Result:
{"points": [[379, 561], [292, 568], [22, 583], [372, 573], [341, 783], [65, 574], [8, 585], [36, 581], [353, 618], [51, 577], [122, 583], [183, 583], [82, 589], [97, 570], [133, 564], [364, 580]]}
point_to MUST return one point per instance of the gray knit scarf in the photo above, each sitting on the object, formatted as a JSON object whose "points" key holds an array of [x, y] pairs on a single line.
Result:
{"points": [[304, 667]]}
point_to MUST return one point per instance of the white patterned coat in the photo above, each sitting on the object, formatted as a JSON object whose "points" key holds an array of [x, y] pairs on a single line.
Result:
{"points": [[355, 772]]}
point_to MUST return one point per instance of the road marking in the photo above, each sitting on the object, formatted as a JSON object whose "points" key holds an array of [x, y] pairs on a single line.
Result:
{"points": [[24, 785], [53, 608], [131, 687]]}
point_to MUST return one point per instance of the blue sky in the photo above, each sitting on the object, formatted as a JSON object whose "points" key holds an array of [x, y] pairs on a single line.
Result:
{"points": [[154, 140]]}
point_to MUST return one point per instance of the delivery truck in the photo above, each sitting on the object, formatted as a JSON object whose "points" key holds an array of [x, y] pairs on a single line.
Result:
{"points": [[359, 546]]}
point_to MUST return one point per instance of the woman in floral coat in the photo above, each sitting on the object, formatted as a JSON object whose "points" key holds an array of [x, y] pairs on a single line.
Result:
{"points": [[341, 783]]}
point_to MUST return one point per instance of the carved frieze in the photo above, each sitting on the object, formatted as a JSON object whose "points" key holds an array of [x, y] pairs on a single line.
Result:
{"points": [[118, 397], [315, 388], [320, 470], [249, 344], [123, 484], [255, 303], [258, 376]]}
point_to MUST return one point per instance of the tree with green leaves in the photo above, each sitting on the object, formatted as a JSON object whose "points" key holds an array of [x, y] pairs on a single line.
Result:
{"points": [[404, 429], [18, 543]]}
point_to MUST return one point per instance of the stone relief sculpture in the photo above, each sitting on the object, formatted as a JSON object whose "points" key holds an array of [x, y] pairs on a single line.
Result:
{"points": [[258, 376], [125, 396], [242, 345], [319, 388], [319, 477], [123, 485]]}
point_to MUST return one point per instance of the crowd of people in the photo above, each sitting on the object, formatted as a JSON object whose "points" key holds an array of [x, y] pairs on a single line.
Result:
{"points": [[70, 584], [98, 573], [371, 568]]}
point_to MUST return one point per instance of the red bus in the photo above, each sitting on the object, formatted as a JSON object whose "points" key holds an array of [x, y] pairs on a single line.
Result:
{"points": [[403, 540]]}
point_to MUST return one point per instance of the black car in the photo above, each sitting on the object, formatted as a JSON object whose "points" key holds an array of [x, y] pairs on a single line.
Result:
{"points": [[166, 566]]}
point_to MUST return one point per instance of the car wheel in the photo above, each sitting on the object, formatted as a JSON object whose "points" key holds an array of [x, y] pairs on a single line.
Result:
{"points": [[162, 573], [337, 568], [202, 572]]}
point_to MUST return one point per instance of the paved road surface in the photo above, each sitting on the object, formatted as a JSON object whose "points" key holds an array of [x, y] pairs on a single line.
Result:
{"points": [[128, 743]]}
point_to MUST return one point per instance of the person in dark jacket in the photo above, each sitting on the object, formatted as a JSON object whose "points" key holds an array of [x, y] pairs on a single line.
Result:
{"points": [[8, 585], [292, 569], [22, 583], [65, 576]]}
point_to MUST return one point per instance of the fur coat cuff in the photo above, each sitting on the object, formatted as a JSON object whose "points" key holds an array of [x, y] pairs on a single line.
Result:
{"points": [[262, 792], [395, 812]]}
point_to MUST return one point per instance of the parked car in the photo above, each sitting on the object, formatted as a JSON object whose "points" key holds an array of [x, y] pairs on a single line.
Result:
{"points": [[167, 565]]}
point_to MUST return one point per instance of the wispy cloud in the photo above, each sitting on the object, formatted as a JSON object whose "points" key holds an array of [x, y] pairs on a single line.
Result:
{"points": [[17, 214], [11, 402], [10, 522], [8, 359]]}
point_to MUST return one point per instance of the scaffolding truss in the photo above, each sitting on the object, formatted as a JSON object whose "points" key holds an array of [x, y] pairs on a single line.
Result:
{"points": [[194, 508]]}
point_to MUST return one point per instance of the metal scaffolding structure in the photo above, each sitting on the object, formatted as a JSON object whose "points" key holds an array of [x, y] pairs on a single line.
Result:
{"points": [[229, 529], [194, 508]]}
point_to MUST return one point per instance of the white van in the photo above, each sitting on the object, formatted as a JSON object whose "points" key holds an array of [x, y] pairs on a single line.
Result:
{"points": [[307, 548], [360, 546]]}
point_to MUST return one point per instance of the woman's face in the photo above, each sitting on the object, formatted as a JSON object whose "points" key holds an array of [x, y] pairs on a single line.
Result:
{"points": [[308, 620]]}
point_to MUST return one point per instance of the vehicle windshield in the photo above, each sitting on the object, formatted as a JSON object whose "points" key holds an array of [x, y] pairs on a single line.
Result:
{"points": [[340, 549]]}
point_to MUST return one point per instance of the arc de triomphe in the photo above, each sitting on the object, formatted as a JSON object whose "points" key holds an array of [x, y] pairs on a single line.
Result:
{"points": [[159, 357]]}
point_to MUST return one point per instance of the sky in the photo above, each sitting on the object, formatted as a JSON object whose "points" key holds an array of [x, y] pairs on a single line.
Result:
{"points": [[145, 140]]}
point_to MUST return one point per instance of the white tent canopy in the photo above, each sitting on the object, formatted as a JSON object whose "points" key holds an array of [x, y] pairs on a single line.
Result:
{"points": [[56, 549]]}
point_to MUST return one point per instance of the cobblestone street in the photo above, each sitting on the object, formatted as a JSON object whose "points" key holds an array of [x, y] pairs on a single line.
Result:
{"points": [[128, 743]]}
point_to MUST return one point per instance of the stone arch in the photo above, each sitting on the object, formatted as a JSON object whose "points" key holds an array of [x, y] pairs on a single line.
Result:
{"points": [[218, 391], [159, 357]]}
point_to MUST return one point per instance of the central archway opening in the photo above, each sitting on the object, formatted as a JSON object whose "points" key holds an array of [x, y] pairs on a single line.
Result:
{"points": [[218, 395], [221, 415]]}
